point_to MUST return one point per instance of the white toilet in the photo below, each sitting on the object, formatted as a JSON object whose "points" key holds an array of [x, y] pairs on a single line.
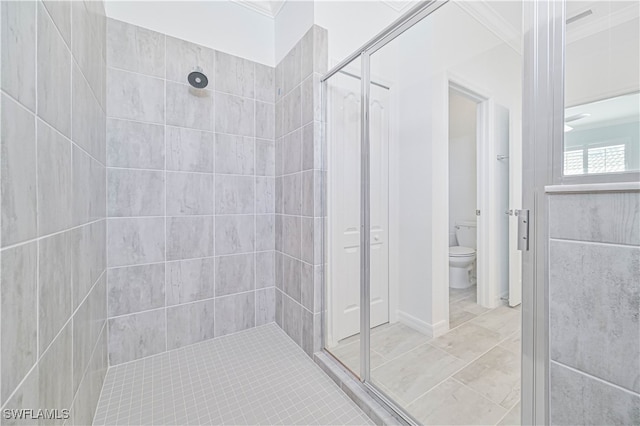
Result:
{"points": [[463, 256]]}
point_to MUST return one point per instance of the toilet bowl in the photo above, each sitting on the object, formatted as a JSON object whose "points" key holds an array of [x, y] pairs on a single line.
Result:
{"points": [[461, 262], [462, 257]]}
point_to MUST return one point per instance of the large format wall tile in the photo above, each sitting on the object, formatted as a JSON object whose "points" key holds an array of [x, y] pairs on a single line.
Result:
{"points": [[183, 57], [189, 280], [137, 145], [18, 297], [89, 188], [54, 282], [18, 50], [265, 83], [54, 180], [55, 372], [234, 234], [137, 336], [594, 303], [602, 217], [579, 399], [234, 274], [136, 49], [265, 157], [135, 193], [206, 165], [234, 155], [52, 187], [265, 306], [88, 323], [235, 194], [60, 12], [189, 194], [190, 323], [88, 129], [189, 150], [234, 313], [135, 241], [54, 69], [88, 27], [135, 96], [18, 172], [89, 253], [189, 107], [234, 115], [136, 288], [234, 75], [265, 269], [189, 237]]}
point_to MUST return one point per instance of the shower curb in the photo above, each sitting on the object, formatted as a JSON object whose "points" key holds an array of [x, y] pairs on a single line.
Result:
{"points": [[356, 391]]}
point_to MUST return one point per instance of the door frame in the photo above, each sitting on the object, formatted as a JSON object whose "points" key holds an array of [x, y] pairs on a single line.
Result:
{"points": [[542, 124]]}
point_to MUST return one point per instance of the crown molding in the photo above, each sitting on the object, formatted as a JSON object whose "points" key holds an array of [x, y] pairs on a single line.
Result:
{"points": [[494, 22], [397, 5], [263, 7]]}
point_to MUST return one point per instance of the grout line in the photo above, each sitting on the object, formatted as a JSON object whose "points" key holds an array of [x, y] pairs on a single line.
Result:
{"points": [[597, 243], [37, 239], [592, 377], [166, 198]]}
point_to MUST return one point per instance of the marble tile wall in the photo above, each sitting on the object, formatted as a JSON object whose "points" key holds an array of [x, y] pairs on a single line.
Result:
{"points": [[299, 173], [594, 299], [190, 193], [53, 341]]}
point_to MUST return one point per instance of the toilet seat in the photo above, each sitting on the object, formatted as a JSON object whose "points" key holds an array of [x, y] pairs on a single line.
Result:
{"points": [[459, 251]]}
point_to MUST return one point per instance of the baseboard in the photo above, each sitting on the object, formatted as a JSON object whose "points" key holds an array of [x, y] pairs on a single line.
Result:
{"points": [[429, 330]]}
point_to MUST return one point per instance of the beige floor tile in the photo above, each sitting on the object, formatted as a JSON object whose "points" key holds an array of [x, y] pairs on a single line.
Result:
{"points": [[452, 403], [468, 341], [349, 355], [396, 340], [495, 375], [503, 320], [513, 343], [458, 316], [415, 372], [457, 293], [471, 306], [513, 417]]}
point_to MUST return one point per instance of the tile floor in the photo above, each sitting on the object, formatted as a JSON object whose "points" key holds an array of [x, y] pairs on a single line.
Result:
{"points": [[471, 375], [258, 376]]}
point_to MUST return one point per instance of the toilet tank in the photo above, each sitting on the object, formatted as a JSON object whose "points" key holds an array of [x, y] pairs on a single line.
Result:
{"points": [[466, 234]]}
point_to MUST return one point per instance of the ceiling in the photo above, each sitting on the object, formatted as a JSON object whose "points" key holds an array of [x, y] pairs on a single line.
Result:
{"points": [[271, 8], [265, 7]]}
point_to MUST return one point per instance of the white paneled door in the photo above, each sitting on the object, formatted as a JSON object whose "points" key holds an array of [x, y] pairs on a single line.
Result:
{"points": [[344, 205]]}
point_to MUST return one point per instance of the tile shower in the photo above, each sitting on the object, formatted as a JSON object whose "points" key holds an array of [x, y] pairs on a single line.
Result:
{"points": [[190, 194], [53, 341], [141, 215]]}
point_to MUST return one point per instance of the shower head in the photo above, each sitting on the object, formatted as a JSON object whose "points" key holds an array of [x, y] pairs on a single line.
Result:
{"points": [[197, 79]]}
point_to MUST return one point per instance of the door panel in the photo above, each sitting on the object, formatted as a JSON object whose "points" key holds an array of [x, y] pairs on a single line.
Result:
{"points": [[345, 199]]}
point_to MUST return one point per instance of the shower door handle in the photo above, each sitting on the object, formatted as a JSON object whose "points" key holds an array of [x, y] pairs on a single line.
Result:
{"points": [[523, 229]]}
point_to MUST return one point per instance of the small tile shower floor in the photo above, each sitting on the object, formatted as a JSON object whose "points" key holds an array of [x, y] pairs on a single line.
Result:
{"points": [[258, 376], [470, 375]]}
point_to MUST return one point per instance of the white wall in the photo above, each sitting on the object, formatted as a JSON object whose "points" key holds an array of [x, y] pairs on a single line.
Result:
{"points": [[220, 25], [448, 45], [351, 24], [293, 21], [462, 161]]}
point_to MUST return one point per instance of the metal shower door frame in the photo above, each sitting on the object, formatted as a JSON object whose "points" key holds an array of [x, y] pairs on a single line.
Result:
{"points": [[543, 118]]}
